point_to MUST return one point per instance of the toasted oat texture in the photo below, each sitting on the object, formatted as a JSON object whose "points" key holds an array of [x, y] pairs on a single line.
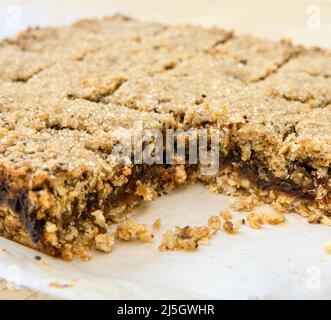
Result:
{"points": [[70, 95]]}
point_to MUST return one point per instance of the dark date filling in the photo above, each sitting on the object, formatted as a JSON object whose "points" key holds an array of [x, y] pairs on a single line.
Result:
{"points": [[18, 201], [254, 170]]}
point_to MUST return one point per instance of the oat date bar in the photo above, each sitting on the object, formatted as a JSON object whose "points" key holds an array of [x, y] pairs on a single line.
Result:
{"points": [[67, 94]]}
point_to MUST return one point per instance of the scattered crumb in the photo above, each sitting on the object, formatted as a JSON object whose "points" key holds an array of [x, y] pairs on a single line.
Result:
{"points": [[104, 242], [327, 247], [145, 236], [180, 174], [255, 220], [226, 214], [168, 241], [157, 223], [214, 223], [129, 229], [275, 218], [4, 250], [37, 258], [231, 228], [187, 238], [61, 285]]}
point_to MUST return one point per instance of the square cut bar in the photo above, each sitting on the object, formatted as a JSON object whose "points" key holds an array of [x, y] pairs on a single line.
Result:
{"points": [[70, 95]]}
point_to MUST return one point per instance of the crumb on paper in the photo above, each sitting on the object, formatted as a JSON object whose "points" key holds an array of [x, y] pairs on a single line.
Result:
{"points": [[226, 214], [4, 250], [327, 247], [128, 230], [214, 222], [275, 218], [58, 285], [145, 236], [187, 238], [104, 242], [157, 223], [255, 220], [37, 258], [231, 227]]}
